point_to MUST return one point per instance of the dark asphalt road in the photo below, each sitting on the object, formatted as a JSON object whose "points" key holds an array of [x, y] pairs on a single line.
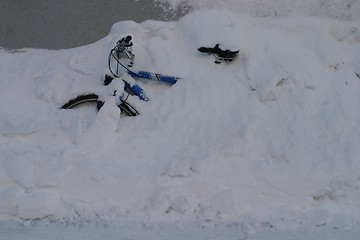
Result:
{"points": [[56, 24]]}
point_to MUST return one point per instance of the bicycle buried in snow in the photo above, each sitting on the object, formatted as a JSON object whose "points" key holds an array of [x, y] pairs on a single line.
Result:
{"points": [[122, 58]]}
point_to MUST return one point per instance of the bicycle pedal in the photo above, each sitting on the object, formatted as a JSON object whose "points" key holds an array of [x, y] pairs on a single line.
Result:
{"points": [[108, 79], [131, 64], [99, 104]]}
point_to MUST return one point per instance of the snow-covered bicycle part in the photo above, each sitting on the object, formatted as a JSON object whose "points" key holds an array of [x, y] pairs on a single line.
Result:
{"points": [[124, 48], [219, 54], [120, 54], [125, 107], [130, 86]]}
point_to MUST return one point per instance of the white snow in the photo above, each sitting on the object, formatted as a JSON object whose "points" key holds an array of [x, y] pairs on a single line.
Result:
{"points": [[264, 147]]}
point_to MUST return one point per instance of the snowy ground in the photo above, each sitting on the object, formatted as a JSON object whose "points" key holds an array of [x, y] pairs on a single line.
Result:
{"points": [[265, 147], [35, 231]]}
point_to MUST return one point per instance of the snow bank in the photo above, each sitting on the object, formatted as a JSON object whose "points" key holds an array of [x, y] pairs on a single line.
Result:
{"points": [[341, 9], [267, 141]]}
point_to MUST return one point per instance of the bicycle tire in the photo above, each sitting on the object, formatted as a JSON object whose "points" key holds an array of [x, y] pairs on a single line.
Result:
{"points": [[128, 109], [125, 107], [82, 99]]}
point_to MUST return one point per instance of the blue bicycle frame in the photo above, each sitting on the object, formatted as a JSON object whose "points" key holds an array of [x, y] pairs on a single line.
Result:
{"points": [[154, 76], [114, 53]]}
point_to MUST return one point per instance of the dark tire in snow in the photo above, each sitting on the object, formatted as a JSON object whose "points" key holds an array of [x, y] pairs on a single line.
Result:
{"points": [[125, 107]]}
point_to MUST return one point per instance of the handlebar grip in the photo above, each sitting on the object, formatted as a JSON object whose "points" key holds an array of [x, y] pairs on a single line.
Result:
{"points": [[127, 39]]}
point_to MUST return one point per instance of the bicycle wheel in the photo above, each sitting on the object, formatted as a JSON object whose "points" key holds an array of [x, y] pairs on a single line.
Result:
{"points": [[125, 107], [82, 99]]}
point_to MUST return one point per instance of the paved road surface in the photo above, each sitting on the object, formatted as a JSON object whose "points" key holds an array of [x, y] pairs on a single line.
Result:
{"points": [[57, 24]]}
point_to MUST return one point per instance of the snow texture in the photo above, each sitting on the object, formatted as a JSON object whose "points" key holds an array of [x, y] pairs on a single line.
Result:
{"points": [[269, 141]]}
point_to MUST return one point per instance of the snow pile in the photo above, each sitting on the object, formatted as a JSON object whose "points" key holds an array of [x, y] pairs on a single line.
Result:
{"points": [[270, 140], [342, 9]]}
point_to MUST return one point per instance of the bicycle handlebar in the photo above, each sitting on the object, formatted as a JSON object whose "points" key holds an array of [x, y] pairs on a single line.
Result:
{"points": [[127, 39]]}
